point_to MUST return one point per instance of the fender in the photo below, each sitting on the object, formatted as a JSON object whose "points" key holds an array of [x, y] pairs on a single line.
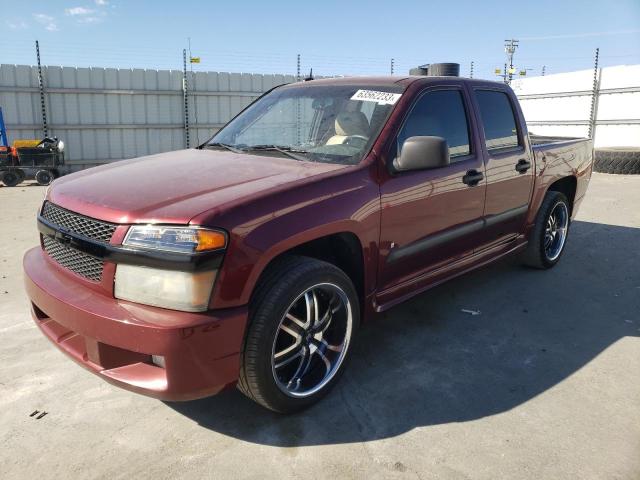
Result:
{"points": [[349, 203]]}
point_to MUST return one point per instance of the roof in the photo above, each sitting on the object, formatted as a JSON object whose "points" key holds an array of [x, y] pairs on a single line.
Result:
{"points": [[388, 80], [370, 81]]}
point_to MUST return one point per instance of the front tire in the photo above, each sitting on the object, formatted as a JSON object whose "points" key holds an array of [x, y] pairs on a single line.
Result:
{"points": [[303, 319], [549, 235], [11, 178]]}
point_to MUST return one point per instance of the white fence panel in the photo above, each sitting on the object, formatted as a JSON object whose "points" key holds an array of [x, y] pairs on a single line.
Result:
{"points": [[107, 114], [560, 104]]}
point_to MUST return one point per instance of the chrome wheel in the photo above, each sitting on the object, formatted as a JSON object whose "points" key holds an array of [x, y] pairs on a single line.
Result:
{"points": [[555, 232], [312, 340]]}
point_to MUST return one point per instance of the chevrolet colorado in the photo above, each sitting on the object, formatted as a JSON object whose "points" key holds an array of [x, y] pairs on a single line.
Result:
{"points": [[253, 259]]}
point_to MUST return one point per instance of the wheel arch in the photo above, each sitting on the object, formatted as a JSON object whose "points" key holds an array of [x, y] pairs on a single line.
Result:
{"points": [[568, 186], [342, 249]]}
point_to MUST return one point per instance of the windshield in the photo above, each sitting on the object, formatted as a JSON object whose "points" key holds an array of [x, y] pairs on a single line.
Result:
{"points": [[321, 123]]}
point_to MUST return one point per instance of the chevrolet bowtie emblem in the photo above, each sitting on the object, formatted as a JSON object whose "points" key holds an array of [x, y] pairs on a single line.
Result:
{"points": [[63, 238]]}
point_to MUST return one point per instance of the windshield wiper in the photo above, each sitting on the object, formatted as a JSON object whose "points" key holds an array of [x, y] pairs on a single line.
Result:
{"points": [[288, 151], [224, 145]]}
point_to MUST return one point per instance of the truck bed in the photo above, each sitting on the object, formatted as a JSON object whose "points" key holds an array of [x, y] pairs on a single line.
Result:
{"points": [[575, 150], [562, 157], [568, 154], [548, 139]]}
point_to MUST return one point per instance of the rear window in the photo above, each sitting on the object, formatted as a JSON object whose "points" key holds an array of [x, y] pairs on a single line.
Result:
{"points": [[500, 127]]}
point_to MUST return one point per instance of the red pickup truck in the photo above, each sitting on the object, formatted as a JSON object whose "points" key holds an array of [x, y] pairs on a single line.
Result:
{"points": [[253, 259]]}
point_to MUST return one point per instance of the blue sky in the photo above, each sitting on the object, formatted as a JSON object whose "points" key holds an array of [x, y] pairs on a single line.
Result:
{"points": [[334, 37]]}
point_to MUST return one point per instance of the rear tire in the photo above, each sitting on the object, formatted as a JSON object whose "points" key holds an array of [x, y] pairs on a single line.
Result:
{"points": [[548, 237], [303, 319], [44, 177], [21, 174]]}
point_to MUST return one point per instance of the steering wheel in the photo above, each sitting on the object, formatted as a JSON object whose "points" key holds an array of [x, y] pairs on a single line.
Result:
{"points": [[355, 140]]}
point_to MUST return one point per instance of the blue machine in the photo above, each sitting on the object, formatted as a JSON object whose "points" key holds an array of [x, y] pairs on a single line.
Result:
{"points": [[4, 141]]}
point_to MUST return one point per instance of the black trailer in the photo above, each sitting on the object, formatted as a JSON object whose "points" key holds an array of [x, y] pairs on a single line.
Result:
{"points": [[41, 162]]}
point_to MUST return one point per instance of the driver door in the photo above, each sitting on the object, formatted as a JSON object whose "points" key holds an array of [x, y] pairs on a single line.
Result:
{"points": [[431, 217]]}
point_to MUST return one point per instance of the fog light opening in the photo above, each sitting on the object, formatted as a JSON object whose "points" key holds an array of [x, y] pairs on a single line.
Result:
{"points": [[158, 361]]}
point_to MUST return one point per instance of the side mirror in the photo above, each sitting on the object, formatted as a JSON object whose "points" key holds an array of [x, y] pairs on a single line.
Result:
{"points": [[420, 153]]}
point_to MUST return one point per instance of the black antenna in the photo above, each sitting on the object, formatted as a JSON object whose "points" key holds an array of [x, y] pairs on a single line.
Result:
{"points": [[310, 77]]}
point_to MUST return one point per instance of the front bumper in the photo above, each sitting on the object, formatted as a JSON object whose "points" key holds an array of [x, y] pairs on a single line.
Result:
{"points": [[116, 339]]}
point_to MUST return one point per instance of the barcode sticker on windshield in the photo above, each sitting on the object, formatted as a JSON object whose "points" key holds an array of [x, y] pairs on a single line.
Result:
{"points": [[382, 98]]}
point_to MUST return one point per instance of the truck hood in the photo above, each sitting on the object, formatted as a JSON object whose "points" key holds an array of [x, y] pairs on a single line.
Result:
{"points": [[174, 187]]}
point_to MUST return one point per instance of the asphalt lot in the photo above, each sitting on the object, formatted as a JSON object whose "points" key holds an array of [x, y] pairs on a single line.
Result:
{"points": [[544, 383]]}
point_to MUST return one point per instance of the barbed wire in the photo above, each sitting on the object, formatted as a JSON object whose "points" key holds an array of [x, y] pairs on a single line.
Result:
{"points": [[213, 59]]}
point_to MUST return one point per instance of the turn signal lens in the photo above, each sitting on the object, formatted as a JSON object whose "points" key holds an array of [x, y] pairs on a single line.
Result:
{"points": [[210, 240]]}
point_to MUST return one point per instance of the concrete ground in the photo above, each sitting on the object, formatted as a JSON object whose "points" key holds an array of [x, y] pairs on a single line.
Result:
{"points": [[544, 383]]}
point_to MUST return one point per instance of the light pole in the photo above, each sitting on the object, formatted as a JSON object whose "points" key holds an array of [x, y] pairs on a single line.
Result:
{"points": [[510, 47]]}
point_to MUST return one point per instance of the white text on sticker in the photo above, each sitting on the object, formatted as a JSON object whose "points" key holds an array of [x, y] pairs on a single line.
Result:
{"points": [[383, 98]]}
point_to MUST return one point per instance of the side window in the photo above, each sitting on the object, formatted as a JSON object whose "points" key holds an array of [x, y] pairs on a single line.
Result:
{"points": [[439, 114], [500, 128]]}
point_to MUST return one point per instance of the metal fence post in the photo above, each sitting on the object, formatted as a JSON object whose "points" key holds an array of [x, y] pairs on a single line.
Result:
{"points": [[45, 128], [594, 97], [298, 111], [185, 95]]}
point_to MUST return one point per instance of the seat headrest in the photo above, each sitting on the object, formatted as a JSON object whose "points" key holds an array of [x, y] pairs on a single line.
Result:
{"points": [[352, 123]]}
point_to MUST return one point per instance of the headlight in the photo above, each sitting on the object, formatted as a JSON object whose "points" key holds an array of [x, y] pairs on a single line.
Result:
{"points": [[61, 146], [175, 239], [174, 289], [177, 290]]}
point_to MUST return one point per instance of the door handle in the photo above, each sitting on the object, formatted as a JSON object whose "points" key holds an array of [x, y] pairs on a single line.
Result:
{"points": [[523, 165], [472, 177]]}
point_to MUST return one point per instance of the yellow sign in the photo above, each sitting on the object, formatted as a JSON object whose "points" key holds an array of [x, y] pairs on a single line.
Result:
{"points": [[194, 59], [523, 73], [498, 71]]}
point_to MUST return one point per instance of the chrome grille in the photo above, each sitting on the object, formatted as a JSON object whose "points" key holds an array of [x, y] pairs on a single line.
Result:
{"points": [[75, 223], [75, 260]]}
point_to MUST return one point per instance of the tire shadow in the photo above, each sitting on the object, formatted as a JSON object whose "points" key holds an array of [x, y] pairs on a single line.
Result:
{"points": [[427, 363]]}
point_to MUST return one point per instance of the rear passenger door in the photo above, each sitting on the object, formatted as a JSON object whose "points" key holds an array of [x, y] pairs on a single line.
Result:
{"points": [[508, 168]]}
